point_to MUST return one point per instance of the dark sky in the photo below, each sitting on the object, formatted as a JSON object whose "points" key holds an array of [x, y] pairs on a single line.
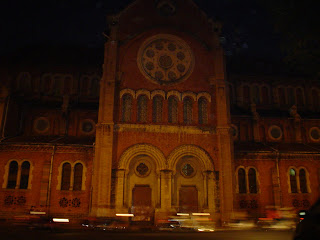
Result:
{"points": [[247, 25]]}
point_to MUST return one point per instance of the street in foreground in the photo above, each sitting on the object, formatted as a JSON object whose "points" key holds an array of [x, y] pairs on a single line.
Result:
{"points": [[97, 235]]}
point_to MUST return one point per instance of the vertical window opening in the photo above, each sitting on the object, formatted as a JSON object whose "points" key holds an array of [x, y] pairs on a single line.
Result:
{"points": [[173, 110], [24, 180], [303, 181], [78, 171], [187, 111], [12, 177], [293, 181], [242, 181], [252, 180], [126, 108], [66, 174], [157, 109], [142, 108], [203, 111]]}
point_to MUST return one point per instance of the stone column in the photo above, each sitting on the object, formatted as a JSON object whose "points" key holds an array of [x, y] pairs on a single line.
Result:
{"points": [[102, 163], [165, 176], [211, 187], [165, 195], [224, 144], [3, 109], [120, 175]]}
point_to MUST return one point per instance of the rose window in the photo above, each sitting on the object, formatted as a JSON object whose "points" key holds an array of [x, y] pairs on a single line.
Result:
{"points": [[142, 169], [187, 170], [165, 59]]}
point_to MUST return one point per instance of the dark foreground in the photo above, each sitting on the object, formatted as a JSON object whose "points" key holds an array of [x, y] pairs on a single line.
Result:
{"points": [[97, 235]]}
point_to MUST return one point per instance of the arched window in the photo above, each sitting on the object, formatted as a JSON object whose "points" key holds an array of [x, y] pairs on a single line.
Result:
{"points": [[142, 108], [252, 178], [282, 96], [187, 110], [203, 111], [291, 100], [77, 183], [126, 108], [303, 181], [57, 86], [24, 180], [256, 95], [299, 95], [95, 88], [265, 95], [315, 99], [231, 97], [173, 110], [84, 86], [66, 174], [242, 181], [13, 173], [67, 85], [293, 181], [157, 109], [246, 95]]}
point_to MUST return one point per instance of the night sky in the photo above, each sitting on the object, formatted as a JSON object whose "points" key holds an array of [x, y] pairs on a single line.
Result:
{"points": [[248, 26]]}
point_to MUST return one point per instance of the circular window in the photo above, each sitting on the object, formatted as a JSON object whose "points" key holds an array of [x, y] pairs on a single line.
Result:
{"points": [[314, 134], [188, 170], [234, 131], [142, 169], [165, 59], [41, 125], [87, 126], [275, 132]]}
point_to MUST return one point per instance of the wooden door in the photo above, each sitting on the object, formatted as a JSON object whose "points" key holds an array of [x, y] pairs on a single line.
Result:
{"points": [[188, 199]]}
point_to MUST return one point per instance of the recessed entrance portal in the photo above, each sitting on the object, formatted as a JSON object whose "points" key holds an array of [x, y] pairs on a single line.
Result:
{"points": [[188, 199], [142, 203]]}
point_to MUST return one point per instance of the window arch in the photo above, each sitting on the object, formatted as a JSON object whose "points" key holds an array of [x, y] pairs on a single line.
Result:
{"points": [[77, 177], [252, 177], [12, 176], [242, 180], [187, 110], [203, 111], [65, 178], [265, 95], [172, 109], [303, 181], [299, 180], [246, 94], [142, 108], [290, 93], [281, 96], [299, 94], [126, 108], [25, 171], [256, 94], [293, 181], [315, 99], [157, 109]]}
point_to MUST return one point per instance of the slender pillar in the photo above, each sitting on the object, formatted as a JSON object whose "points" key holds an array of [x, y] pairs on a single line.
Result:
{"points": [[225, 144], [120, 174], [102, 164], [211, 193]]}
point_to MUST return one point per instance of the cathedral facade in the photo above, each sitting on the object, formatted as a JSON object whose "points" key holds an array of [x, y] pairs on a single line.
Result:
{"points": [[161, 130]]}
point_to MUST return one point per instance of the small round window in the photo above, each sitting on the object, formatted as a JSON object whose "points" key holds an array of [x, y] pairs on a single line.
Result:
{"points": [[234, 131], [275, 132], [87, 126], [314, 134], [142, 169], [41, 125], [188, 170]]}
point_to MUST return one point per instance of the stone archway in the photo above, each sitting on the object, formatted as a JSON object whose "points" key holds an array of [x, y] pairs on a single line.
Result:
{"points": [[138, 171], [192, 179]]}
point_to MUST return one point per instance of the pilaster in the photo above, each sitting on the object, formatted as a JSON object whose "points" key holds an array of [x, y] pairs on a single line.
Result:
{"points": [[102, 166]]}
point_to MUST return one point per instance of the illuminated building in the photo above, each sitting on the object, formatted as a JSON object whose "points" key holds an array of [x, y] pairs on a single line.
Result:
{"points": [[162, 130]]}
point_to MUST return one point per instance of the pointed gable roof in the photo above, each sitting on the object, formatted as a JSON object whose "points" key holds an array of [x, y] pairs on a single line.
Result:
{"points": [[143, 15]]}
